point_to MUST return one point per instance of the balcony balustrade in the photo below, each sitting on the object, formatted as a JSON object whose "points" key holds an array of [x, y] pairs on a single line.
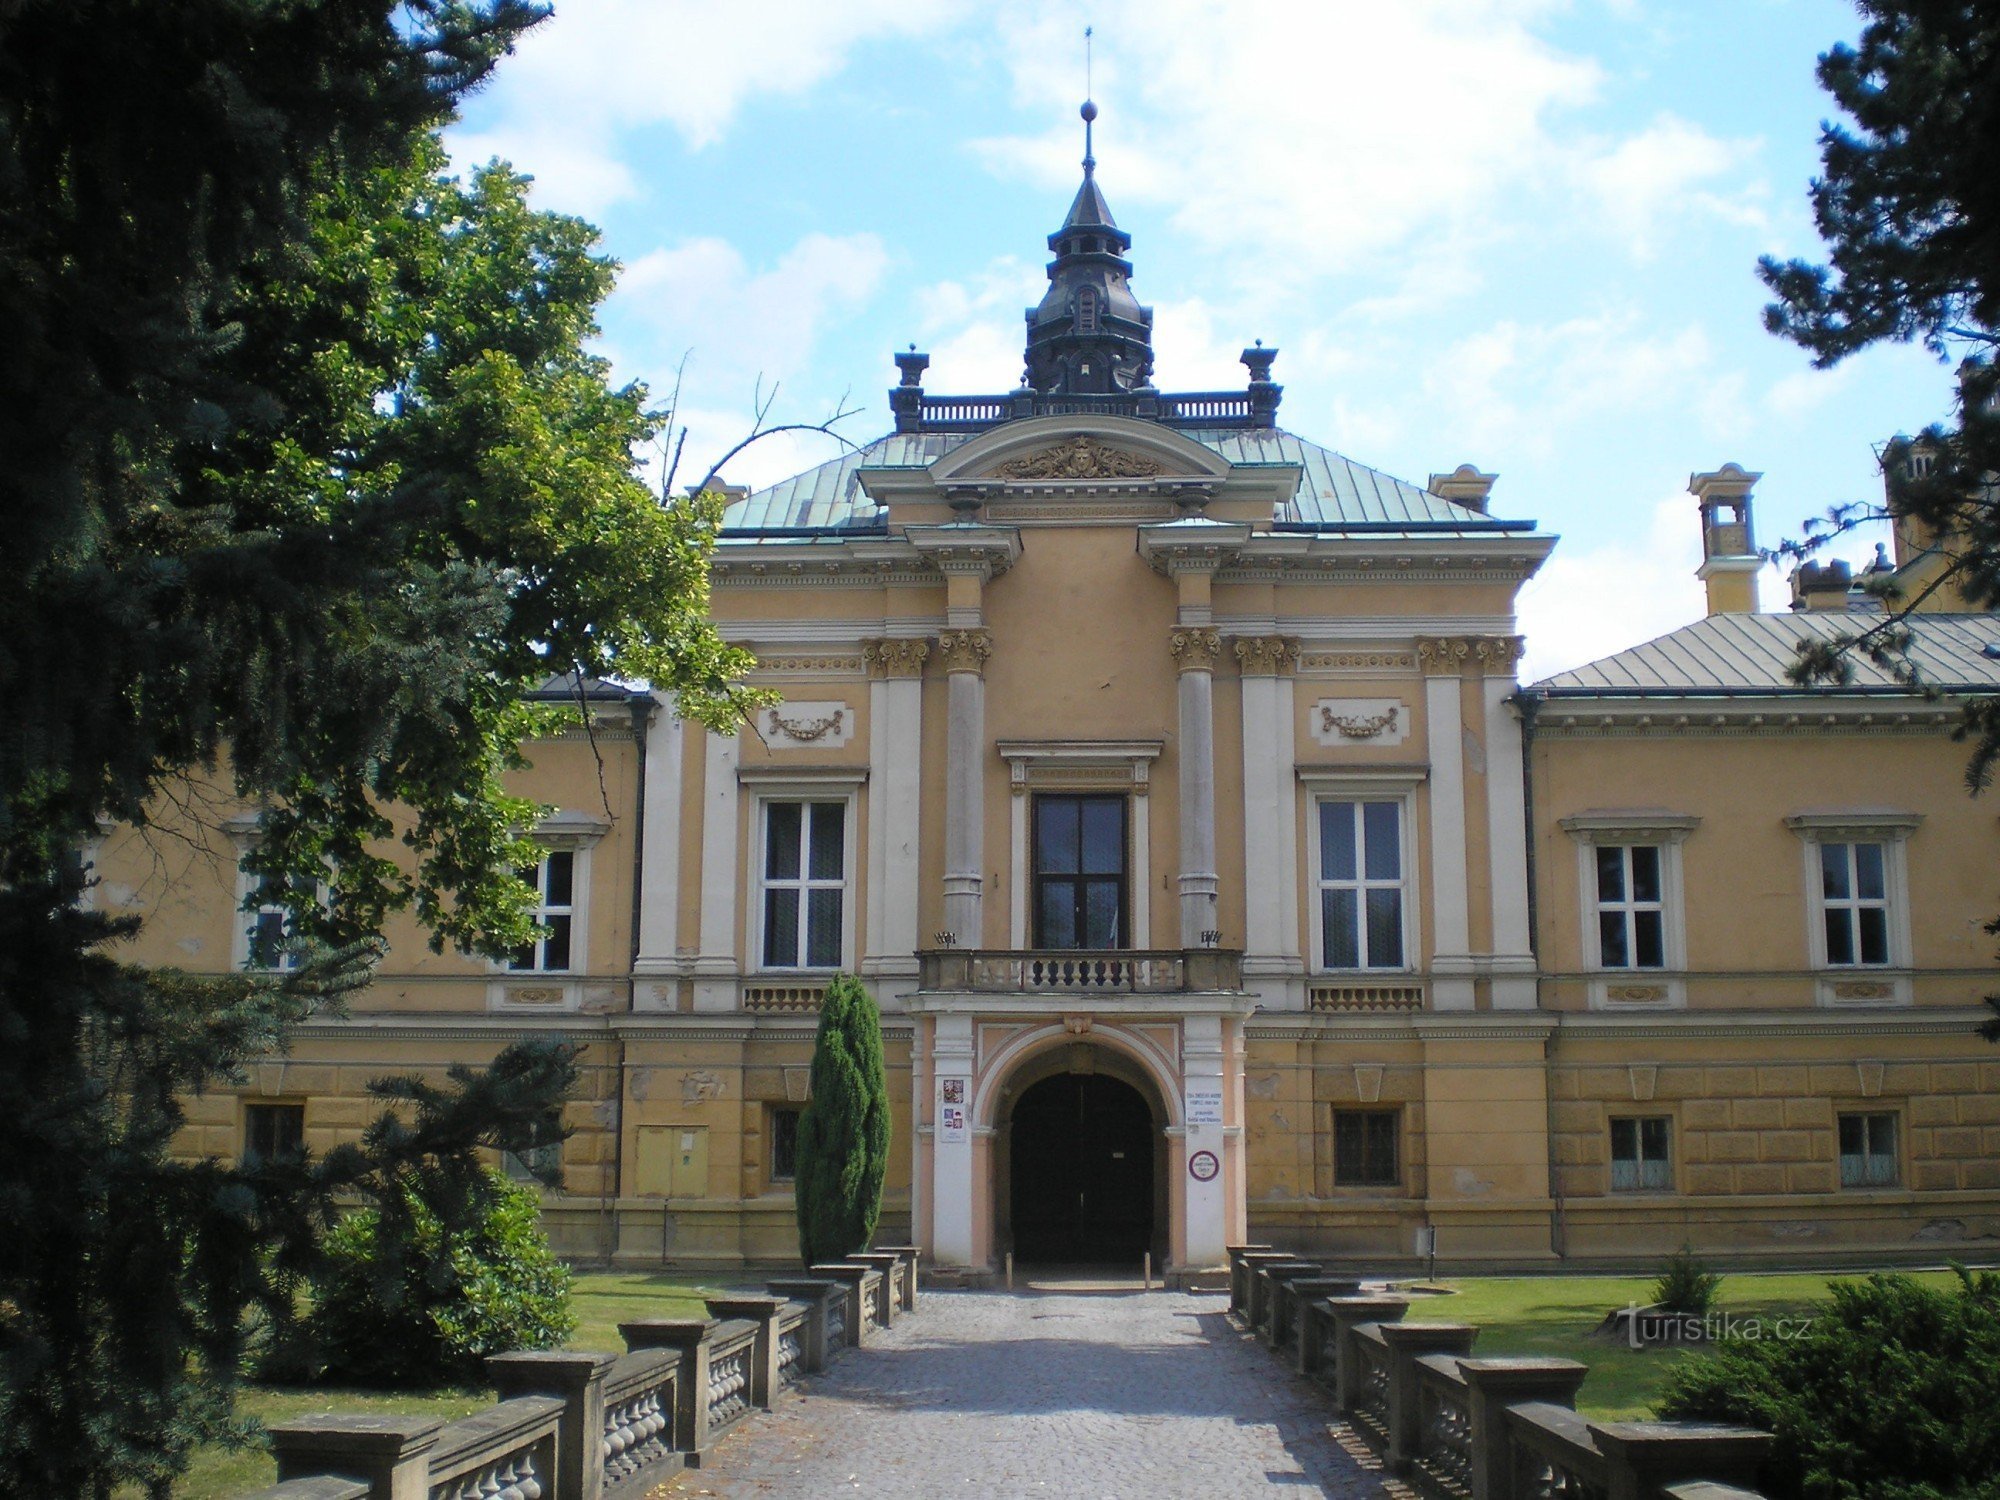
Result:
{"points": [[1080, 971]]}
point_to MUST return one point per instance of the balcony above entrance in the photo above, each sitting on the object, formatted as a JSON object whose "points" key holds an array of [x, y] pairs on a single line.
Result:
{"points": [[1080, 971]]}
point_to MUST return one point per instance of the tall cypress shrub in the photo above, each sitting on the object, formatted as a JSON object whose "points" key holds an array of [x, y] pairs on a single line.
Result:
{"points": [[843, 1148]]}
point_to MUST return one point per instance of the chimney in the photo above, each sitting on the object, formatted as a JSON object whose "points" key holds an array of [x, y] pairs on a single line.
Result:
{"points": [[1729, 559], [1464, 485], [1822, 586], [1908, 458]]}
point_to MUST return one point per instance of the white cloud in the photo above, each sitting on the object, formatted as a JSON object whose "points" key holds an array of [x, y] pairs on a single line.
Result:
{"points": [[599, 67], [1526, 388], [1324, 135], [1650, 186], [739, 323], [1586, 604]]}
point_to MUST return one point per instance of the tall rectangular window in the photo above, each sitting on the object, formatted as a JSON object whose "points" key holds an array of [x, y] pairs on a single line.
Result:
{"points": [[1868, 1150], [784, 1142], [271, 929], [554, 911], [1364, 1147], [538, 1164], [272, 1131], [1080, 872], [1361, 885], [1631, 907], [1642, 1155], [1854, 899], [805, 884]]}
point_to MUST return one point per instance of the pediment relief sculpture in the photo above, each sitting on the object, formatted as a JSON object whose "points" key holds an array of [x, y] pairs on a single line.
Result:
{"points": [[1080, 457]]}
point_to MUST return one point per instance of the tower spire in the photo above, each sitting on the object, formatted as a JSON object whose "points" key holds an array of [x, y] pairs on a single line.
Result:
{"points": [[1089, 335], [1089, 110]]}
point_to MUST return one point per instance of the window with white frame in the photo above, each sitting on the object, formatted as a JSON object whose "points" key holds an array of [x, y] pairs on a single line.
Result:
{"points": [[269, 904], [1868, 1150], [1631, 907], [1854, 902], [1629, 880], [1642, 1155], [1363, 907], [553, 948], [1857, 902], [803, 905]]}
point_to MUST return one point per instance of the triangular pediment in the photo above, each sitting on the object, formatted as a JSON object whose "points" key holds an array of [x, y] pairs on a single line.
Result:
{"points": [[1079, 457]]}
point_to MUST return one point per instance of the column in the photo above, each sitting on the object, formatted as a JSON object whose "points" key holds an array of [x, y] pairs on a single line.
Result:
{"points": [[1194, 651], [1513, 960], [951, 1144], [895, 751], [717, 964], [1443, 662], [660, 844], [964, 654], [1270, 817]]}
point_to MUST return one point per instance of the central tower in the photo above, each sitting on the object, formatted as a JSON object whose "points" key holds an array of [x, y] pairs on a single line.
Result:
{"points": [[1089, 336]]}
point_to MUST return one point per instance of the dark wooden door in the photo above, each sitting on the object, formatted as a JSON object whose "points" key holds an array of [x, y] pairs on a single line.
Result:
{"points": [[1081, 1155]]}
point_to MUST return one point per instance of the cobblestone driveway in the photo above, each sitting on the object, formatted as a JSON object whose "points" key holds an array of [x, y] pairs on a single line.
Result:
{"points": [[1104, 1396]]}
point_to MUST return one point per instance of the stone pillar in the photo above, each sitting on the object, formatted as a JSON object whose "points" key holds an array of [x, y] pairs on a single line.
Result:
{"points": [[964, 654], [1495, 1385], [1409, 1342], [1270, 818], [895, 752], [1513, 961], [718, 964], [691, 1338], [660, 844], [951, 1150], [1444, 662], [1195, 650], [578, 1379], [1205, 1066], [390, 1453]]}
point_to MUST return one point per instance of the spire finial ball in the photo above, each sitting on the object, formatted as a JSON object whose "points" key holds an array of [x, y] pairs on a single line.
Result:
{"points": [[1089, 111]]}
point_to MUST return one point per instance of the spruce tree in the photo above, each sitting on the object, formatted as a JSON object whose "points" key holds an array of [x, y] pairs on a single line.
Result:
{"points": [[310, 481], [843, 1145]]}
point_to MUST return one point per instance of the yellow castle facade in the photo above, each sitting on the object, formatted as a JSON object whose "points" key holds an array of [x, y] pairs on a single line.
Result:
{"points": [[1167, 779]]}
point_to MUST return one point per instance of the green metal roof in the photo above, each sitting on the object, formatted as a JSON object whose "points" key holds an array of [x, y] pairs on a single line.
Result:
{"points": [[1750, 654], [1333, 490]]}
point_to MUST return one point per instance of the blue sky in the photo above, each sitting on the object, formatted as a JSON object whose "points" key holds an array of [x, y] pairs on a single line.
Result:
{"points": [[1521, 235]]}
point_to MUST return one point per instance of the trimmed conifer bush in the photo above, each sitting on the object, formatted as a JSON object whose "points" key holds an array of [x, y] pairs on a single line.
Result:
{"points": [[843, 1143], [1685, 1284]]}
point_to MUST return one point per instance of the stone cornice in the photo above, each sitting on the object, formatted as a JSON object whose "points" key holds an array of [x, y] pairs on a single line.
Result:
{"points": [[1697, 716], [895, 656], [1302, 558], [967, 547], [1177, 547], [1587, 1026], [965, 650], [1194, 649], [1266, 655]]}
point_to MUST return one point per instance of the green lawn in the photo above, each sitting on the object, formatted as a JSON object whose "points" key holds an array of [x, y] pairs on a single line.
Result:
{"points": [[1557, 1315], [602, 1302]]}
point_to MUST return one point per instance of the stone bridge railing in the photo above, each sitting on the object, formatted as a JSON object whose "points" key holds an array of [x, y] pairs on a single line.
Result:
{"points": [[1460, 1428], [586, 1426]]}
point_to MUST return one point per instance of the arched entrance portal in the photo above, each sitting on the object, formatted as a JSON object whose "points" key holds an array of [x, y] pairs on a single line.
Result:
{"points": [[1084, 1188]]}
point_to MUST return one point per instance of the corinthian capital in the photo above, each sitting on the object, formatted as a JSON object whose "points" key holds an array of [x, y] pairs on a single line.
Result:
{"points": [[1445, 655], [1266, 655], [965, 650], [1195, 650], [895, 657]]}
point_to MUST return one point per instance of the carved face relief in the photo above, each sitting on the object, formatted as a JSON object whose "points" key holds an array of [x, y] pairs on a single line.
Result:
{"points": [[1080, 457]]}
